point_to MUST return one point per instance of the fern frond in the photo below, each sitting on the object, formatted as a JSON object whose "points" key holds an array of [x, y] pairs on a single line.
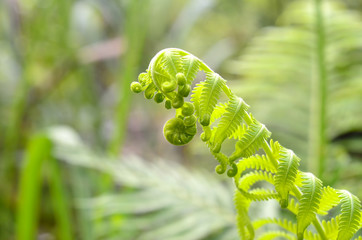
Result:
{"points": [[196, 95], [190, 65], [308, 235], [286, 174], [229, 121], [350, 216], [330, 199], [284, 223], [209, 95], [239, 133], [260, 194], [270, 235], [331, 227], [252, 140], [293, 206], [249, 179], [257, 162], [171, 62], [219, 110], [309, 203], [242, 204]]}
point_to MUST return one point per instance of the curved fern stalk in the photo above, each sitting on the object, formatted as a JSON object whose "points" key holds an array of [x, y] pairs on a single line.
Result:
{"points": [[168, 79]]}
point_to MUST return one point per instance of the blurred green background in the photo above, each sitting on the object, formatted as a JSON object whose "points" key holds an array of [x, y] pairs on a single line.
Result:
{"points": [[81, 157]]}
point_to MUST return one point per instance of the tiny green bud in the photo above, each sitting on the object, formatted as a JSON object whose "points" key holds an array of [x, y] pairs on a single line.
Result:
{"points": [[150, 91], [168, 86], [188, 109], [136, 87], [219, 169], [159, 97], [181, 79], [168, 104], [206, 135], [184, 90], [205, 120], [142, 78], [190, 120], [178, 101]]}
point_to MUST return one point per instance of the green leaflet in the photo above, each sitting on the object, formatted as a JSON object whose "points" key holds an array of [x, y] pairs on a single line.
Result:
{"points": [[350, 216], [230, 121], [171, 62], [195, 97], [331, 227], [285, 224], [190, 65], [252, 140], [246, 230], [286, 174], [210, 94], [275, 234], [330, 199], [312, 191]]}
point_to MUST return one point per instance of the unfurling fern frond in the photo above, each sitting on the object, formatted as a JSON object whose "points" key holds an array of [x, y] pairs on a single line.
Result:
{"points": [[350, 216], [171, 72], [286, 174], [309, 203]]}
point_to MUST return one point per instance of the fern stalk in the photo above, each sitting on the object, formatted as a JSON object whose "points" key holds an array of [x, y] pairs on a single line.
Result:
{"points": [[318, 139]]}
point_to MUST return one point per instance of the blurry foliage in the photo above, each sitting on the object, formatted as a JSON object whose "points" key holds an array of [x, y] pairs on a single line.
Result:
{"points": [[157, 199], [63, 62]]}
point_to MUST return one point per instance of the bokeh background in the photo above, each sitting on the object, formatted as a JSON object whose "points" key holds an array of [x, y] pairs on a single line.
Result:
{"points": [[81, 157]]}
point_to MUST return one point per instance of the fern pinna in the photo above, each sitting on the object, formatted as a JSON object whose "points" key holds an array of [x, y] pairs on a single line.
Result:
{"points": [[223, 115]]}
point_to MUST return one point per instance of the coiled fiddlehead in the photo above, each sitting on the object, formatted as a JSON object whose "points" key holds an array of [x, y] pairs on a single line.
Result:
{"points": [[168, 79]]}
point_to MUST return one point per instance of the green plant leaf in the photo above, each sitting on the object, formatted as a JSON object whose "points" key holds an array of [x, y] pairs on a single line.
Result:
{"points": [[309, 203]]}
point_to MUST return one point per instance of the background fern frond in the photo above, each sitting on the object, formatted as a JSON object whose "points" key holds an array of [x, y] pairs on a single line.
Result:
{"points": [[350, 216], [309, 203], [188, 197]]}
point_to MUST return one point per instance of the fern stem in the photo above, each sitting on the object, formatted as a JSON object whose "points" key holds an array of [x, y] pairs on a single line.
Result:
{"points": [[318, 139], [318, 226]]}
